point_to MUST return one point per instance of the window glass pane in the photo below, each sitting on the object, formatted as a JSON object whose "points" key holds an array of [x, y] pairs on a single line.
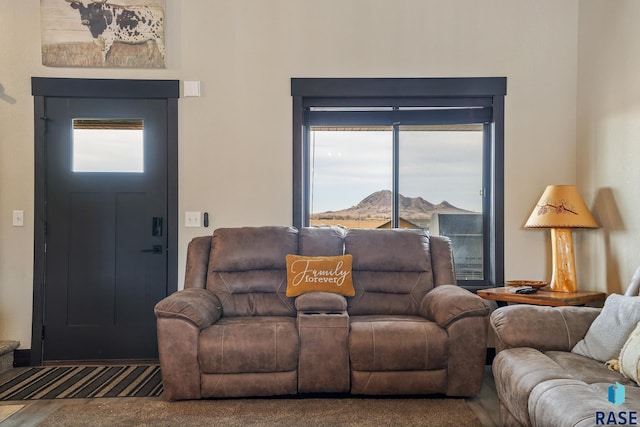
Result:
{"points": [[108, 145], [351, 177], [440, 185]]}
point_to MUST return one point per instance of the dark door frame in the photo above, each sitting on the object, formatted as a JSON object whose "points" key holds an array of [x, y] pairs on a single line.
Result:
{"points": [[42, 88]]}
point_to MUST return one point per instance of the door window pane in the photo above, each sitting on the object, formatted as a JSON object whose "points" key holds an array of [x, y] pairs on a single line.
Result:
{"points": [[351, 177], [108, 145]]}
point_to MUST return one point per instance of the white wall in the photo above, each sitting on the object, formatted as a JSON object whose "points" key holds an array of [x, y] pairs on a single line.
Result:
{"points": [[608, 130], [235, 140]]}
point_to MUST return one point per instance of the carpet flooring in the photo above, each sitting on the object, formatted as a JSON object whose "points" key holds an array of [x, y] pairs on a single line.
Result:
{"points": [[63, 382], [437, 412]]}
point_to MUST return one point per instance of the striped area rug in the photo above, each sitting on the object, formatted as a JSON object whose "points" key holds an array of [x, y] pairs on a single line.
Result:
{"points": [[64, 382]]}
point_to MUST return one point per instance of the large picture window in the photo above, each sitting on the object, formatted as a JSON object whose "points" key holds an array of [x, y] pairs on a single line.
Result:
{"points": [[405, 153]]}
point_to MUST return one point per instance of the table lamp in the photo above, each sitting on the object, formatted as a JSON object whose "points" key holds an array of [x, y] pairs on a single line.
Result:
{"points": [[561, 208]]}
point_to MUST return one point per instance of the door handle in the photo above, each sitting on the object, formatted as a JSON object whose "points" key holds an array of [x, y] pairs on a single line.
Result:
{"points": [[155, 249]]}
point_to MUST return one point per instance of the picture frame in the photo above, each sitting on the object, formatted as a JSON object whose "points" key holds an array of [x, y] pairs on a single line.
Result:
{"points": [[99, 33]]}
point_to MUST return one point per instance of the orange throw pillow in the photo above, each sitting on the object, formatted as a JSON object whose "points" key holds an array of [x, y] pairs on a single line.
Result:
{"points": [[319, 273]]}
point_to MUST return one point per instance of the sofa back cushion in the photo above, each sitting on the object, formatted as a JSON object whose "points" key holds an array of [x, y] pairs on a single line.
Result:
{"points": [[247, 270], [321, 241], [391, 270]]}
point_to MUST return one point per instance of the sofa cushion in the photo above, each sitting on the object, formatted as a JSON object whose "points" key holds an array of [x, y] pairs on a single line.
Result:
{"points": [[520, 371], [396, 343], [320, 302], [321, 241], [388, 250], [252, 293], [247, 384], [389, 292], [572, 403], [247, 270], [630, 356], [249, 344], [399, 382], [252, 248], [319, 273], [610, 329], [517, 371], [391, 271], [587, 370], [567, 403], [632, 395]]}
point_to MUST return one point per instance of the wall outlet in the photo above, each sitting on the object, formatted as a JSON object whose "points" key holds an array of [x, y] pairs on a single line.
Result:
{"points": [[18, 218], [192, 219]]}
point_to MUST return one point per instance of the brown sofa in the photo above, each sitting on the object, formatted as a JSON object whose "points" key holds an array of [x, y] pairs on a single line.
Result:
{"points": [[541, 382], [233, 332]]}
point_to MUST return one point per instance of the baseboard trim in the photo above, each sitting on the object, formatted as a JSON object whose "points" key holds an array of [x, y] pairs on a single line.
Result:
{"points": [[21, 358]]}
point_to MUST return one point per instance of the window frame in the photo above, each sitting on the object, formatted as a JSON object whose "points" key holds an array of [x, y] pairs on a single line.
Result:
{"points": [[467, 92]]}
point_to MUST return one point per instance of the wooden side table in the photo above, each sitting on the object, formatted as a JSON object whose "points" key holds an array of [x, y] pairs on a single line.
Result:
{"points": [[543, 297]]}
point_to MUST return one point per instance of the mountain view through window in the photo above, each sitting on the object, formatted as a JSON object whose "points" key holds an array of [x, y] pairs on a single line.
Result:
{"points": [[440, 172], [439, 183]]}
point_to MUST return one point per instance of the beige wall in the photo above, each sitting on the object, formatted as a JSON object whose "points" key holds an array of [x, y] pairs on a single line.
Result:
{"points": [[235, 140], [608, 131]]}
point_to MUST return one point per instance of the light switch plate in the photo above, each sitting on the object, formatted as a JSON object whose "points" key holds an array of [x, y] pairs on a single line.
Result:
{"points": [[192, 219]]}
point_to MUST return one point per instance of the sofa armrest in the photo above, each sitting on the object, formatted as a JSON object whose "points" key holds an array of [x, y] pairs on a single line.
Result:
{"points": [[198, 306], [446, 304], [180, 319], [539, 327], [321, 302], [465, 316]]}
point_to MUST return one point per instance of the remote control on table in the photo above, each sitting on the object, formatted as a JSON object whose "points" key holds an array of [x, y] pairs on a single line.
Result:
{"points": [[523, 290]]}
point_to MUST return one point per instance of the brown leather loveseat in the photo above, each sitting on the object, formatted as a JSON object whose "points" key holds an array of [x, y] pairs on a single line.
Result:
{"points": [[233, 332]]}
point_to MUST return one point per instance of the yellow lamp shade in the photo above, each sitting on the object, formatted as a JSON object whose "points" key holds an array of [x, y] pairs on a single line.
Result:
{"points": [[561, 206]]}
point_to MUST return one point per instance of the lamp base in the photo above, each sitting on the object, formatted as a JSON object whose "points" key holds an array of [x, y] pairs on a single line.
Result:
{"points": [[563, 277]]}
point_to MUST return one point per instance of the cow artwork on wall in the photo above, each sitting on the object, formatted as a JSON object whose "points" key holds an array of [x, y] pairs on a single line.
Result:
{"points": [[103, 33]]}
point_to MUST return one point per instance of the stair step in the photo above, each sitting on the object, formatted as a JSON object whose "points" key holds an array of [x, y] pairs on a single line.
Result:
{"points": [[6, 354]]}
